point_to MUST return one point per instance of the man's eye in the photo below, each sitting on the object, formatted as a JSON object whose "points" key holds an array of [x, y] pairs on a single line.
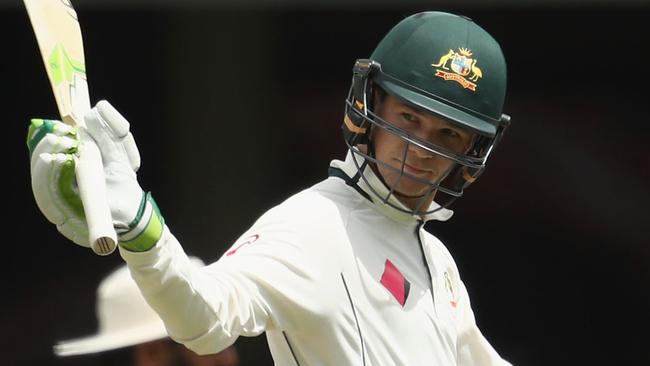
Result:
{"points": [[450, 133], [409, 117]]}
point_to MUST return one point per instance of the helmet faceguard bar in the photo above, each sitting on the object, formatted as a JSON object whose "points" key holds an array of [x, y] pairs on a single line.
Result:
{"points": [[430, 147]]}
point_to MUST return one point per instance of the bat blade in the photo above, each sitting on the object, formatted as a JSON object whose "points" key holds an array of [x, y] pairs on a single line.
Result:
{"points": [[59, 38], [58, 33]]}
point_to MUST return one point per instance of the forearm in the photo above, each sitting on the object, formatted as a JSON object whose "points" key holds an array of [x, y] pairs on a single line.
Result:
{"points": [[202, 309]]}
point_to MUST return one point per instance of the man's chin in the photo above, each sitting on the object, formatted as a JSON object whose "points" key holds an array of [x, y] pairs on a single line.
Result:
{"points": [[411, 194]]}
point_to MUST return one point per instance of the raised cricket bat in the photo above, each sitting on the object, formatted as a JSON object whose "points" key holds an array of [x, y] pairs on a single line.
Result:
{"points": [[59, 39]]}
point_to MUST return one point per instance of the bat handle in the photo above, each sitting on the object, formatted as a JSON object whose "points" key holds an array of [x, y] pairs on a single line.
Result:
{"points": [[92, 189]]}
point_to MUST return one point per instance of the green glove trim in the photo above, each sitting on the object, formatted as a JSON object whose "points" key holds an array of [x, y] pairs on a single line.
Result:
{"points": [[38, 128], [138, 216], [152, 232], [156, 209], [67, 183]]}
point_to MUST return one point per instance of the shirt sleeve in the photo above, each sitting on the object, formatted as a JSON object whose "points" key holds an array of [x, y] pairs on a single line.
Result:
{"points": [[472, 347], [246, 292]]}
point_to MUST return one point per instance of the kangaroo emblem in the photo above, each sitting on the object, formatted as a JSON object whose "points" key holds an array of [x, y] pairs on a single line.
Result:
{"points": [[444, 59]]}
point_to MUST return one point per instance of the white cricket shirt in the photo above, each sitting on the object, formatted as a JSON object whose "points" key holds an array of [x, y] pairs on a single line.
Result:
{"points": [[332, 277]]}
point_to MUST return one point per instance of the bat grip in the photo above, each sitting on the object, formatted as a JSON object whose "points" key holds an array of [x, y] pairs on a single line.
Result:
{"points": [[92, 189]]}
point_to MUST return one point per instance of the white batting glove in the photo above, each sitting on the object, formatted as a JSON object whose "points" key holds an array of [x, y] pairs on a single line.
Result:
{"points": [[53, 148]]}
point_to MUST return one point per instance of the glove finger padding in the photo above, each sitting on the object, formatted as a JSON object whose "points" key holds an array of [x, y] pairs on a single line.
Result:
{"points": [[111, 132], [52, 146], [121, 160], [40, 129]]}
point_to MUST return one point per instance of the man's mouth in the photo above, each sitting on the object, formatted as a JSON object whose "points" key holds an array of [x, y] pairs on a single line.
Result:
{"points": [[415, 170]]}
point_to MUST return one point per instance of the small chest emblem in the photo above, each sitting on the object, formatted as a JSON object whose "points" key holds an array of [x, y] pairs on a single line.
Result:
{"points": [[450, 289]]}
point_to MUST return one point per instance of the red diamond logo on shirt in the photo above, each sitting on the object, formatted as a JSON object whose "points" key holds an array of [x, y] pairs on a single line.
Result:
{"points": [[395, 282]]}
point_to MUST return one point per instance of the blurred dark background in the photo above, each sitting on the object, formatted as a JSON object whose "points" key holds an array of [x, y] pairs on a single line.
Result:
{"points": [[235, 106]]}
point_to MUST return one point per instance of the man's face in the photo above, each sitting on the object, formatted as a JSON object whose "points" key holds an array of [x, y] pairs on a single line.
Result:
{"points": [[420, 163]]}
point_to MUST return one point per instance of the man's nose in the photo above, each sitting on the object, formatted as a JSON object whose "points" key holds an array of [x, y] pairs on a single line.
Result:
{"points": [[418, 151]]}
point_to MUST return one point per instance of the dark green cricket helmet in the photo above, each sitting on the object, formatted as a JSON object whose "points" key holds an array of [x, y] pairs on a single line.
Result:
{"points": [[441, 63], [446, 64]]}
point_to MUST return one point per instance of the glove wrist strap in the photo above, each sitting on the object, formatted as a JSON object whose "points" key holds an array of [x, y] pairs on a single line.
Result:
{"points": [[146, 229]]}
